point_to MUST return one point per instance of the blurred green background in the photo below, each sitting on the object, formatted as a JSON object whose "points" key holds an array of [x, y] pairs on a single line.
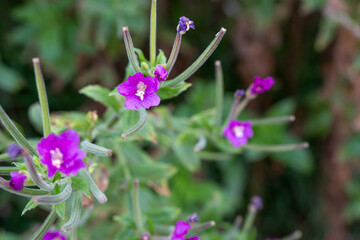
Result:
{"points": [[311, 47]]}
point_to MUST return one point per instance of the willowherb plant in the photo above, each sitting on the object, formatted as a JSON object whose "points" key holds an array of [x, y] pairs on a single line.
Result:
{"points": [[59, 170]]}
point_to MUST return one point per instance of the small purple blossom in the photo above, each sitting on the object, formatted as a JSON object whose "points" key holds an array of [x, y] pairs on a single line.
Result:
{"points": [[256, 203], [192, 218], [261, 85], [160, 73], [139, 91], [238, 132], [62, 153], [17, 181], [14, 150], [181, 229], [145, 236], [184, 25], [54, 235], [239, 93]]}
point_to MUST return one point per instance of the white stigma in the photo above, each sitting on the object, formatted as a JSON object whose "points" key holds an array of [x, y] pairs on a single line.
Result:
{"points": [[141, 90], [239, 131], [56, 157]]}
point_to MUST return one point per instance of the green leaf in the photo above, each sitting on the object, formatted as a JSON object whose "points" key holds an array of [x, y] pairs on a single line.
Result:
{"points": [[161, 59], [30, 205], [166, 92], [10, 80], [152, 171], [81, 185], [163, 215], [34, 114], [141, 56], [184, 150], [101, 95], [60, 209]]}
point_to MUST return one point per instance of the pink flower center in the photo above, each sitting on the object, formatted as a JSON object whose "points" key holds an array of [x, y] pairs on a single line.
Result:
{"points": [[239, 131], [141, 90], [56, 157]]}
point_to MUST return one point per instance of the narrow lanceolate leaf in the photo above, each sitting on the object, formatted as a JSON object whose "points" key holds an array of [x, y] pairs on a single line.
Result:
{"points": [[95, 149], [15, 133], [42, 97], [199, 62], [272, 120], [54, 199], [75, 213], [30, 205], [101, 95], [39, 234], [130, 50], [138, 126], [219, 93]]}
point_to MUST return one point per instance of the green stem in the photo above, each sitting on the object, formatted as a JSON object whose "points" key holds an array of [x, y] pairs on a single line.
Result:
{"points": [[73, 234], [124, 163], [8, 170], [273, 120], [94, 189], [241, 107], [276, 148], [54, 199], [75, 213], [15, 133], [249, 221], [219, 93], [153, 33], [129, 46], [95, 149], [42, 97], [174, 53], [237, 224], [215, 156], [136, 207], [199, 62], [39, 234], [138, 126]]}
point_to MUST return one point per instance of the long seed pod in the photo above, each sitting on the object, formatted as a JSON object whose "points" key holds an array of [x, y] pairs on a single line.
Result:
{"points": [[34, 174], [95, 149], [54, 199], [138, 126], [94, 189], [219, 93], [129, 46], [276, 148], [39, 234], [75, 213], [272, 120], [26, 192], [174, 53], [153, 33]]}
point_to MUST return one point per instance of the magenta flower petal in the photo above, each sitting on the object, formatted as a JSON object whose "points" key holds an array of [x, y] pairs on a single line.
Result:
{"points": [[139, 91], [193, 238], [62, 153], [261, 85], [17, 181], [160, 73], [181, 229], [56, 235], [238, 132]]}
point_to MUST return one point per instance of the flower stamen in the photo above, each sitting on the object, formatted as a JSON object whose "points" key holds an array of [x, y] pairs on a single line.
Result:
{"points": [[239, 131], [56, 157], [141, 90]]}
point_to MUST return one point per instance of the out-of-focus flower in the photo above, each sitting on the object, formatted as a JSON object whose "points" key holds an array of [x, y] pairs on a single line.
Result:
{"points": [[261, 85], [139, 91], [256, 203], [17, 181], [192, 218], [184, 25], [145, 236], [62, 153], [238, 132], [54, 235], [14, 150]]}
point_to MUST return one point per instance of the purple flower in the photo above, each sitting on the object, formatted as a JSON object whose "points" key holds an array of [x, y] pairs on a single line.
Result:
{"points": [[145, 236], [184, 25], [62, 153], [238, 132], [17, 181], [256, 203], [139, 91], [192, 218], [160, 73], [181, 229], [261, 85], [14, 150], [239, 93], [55, 235]]}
